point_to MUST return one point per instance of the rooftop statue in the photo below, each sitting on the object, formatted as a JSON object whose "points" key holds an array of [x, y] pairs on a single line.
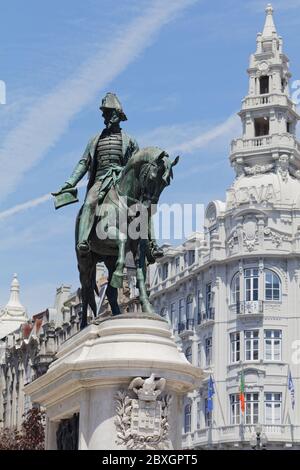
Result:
{"points": [[124, 182]]}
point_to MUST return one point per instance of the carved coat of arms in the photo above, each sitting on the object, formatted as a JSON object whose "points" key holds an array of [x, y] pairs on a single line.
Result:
{"points": [[142, 422]]}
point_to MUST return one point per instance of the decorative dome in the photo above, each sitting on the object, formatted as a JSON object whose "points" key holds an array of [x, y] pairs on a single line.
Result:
{"points": [[14, 313]]}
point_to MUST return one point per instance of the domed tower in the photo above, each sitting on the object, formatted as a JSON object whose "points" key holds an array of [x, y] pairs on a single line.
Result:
{"points": [[259, 283], [235, 303], [263, 204], [253, 260], [268, 115]]}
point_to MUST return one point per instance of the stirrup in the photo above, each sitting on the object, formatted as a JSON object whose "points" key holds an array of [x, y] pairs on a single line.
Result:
{"points": [[83, 247]]}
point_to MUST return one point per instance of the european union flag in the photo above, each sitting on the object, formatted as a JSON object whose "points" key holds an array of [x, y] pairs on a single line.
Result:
{"points": [[291, 389], [210, 394]]}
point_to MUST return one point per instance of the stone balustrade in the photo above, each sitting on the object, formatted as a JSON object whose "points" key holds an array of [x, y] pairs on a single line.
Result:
{"points": [[270, 98], [275, 140]]}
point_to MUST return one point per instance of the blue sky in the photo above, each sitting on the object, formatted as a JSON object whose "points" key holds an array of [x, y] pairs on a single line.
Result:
{"points": [[179, 68]]}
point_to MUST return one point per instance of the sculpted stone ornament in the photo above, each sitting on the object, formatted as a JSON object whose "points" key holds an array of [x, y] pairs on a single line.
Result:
{"points": [[258, 169], [143, 423], [232, 240], [238, 166], [282, 166], [121, 177], [276, 237], [294, 172], [250, 233]]}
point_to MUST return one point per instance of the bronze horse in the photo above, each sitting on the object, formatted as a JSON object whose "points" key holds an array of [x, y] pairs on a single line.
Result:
{"points": [[138, 188]]}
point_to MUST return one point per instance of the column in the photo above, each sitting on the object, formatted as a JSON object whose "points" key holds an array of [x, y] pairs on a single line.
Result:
{"points": [[261, 283], [83, 439], [50, 438]]}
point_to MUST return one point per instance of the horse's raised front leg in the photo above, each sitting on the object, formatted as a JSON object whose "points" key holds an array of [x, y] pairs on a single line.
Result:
{"points": [[118, 274], [141, 278]]}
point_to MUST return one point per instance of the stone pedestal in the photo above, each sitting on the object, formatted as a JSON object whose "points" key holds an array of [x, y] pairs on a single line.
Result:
{"points": [[92, 374]]}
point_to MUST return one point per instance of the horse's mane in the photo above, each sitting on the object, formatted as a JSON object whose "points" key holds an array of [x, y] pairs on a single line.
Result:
{"points": [[144, 155]]}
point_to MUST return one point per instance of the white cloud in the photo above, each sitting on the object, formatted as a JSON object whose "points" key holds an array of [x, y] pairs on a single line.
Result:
{"points": [[24, 206], [164, 136], [30, 204], [41, 230], [230, 127], [49, 118], [190, 137]]}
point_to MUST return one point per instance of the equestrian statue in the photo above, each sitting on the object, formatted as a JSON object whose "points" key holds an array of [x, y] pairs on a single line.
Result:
{"points": [[124, 185]]}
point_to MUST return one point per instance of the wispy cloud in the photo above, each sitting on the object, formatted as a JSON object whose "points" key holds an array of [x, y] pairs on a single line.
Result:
{"points": [[190, 137], [167, 103], [30, 204], [229, 127], [45, 123], [41, 230], [219, 134], [24, 206]]}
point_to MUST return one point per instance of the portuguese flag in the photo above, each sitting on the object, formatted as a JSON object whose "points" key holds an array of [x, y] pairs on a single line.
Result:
{"points": [[242, 393]]}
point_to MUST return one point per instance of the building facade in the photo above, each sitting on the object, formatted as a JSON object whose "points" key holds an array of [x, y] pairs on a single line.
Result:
{"points": [[232, 293], [28, 346]]}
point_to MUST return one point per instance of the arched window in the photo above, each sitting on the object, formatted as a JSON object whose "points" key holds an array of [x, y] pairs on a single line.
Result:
{"points": [[235, 289], [189, 354], [272, 286], [251, 278], [187, 418]]}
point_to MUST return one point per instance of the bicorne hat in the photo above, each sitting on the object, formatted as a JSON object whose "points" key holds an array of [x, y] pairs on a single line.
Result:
{"points": [[111, 101]]}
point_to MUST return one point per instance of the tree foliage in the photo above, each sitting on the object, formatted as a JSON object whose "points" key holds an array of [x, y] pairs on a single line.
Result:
{"points": [[31, 436]]}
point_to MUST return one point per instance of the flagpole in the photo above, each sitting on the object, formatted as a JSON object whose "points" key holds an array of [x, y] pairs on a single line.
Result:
{"points": [[242, 381], [220, 404], [285, 396], [210, 406]]}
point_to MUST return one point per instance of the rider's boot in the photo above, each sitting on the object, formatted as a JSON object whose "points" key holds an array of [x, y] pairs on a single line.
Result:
{"points": [[153, 252]]}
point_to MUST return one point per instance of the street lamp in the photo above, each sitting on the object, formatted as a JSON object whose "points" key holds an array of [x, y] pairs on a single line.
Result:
{"points": [[258, 440]]}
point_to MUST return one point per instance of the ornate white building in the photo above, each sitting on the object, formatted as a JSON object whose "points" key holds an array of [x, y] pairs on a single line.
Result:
{"points": [[232, 294], [28, 346], [14, 313]]}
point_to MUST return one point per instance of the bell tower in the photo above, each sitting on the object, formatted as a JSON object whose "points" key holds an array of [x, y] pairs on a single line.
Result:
{"points": [[269, 116]]}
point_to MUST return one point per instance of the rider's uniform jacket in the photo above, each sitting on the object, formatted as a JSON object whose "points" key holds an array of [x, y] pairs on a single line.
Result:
{"points": [[103, 151]]}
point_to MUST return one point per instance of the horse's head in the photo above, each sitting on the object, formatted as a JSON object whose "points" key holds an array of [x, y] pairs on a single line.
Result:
{"points": [[153, 170]]}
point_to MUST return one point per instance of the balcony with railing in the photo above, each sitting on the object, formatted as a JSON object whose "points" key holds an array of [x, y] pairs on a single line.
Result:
{"points": [[247, 308], [206, 317], [285, 141], [186, 328], [270, 98], [274, 432], [241, 435]]}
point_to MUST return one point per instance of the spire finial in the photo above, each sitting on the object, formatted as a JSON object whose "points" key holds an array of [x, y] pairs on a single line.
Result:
{"points": [[269, 9], [269, 27], [14, 306]]}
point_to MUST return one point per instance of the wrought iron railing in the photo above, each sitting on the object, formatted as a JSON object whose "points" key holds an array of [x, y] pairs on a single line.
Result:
{"points": [[251, 307], [208, 314], [188, 325]]}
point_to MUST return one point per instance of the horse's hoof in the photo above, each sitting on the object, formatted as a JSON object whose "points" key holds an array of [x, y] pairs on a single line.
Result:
{"points": [[116, 313], [117, 280]]}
